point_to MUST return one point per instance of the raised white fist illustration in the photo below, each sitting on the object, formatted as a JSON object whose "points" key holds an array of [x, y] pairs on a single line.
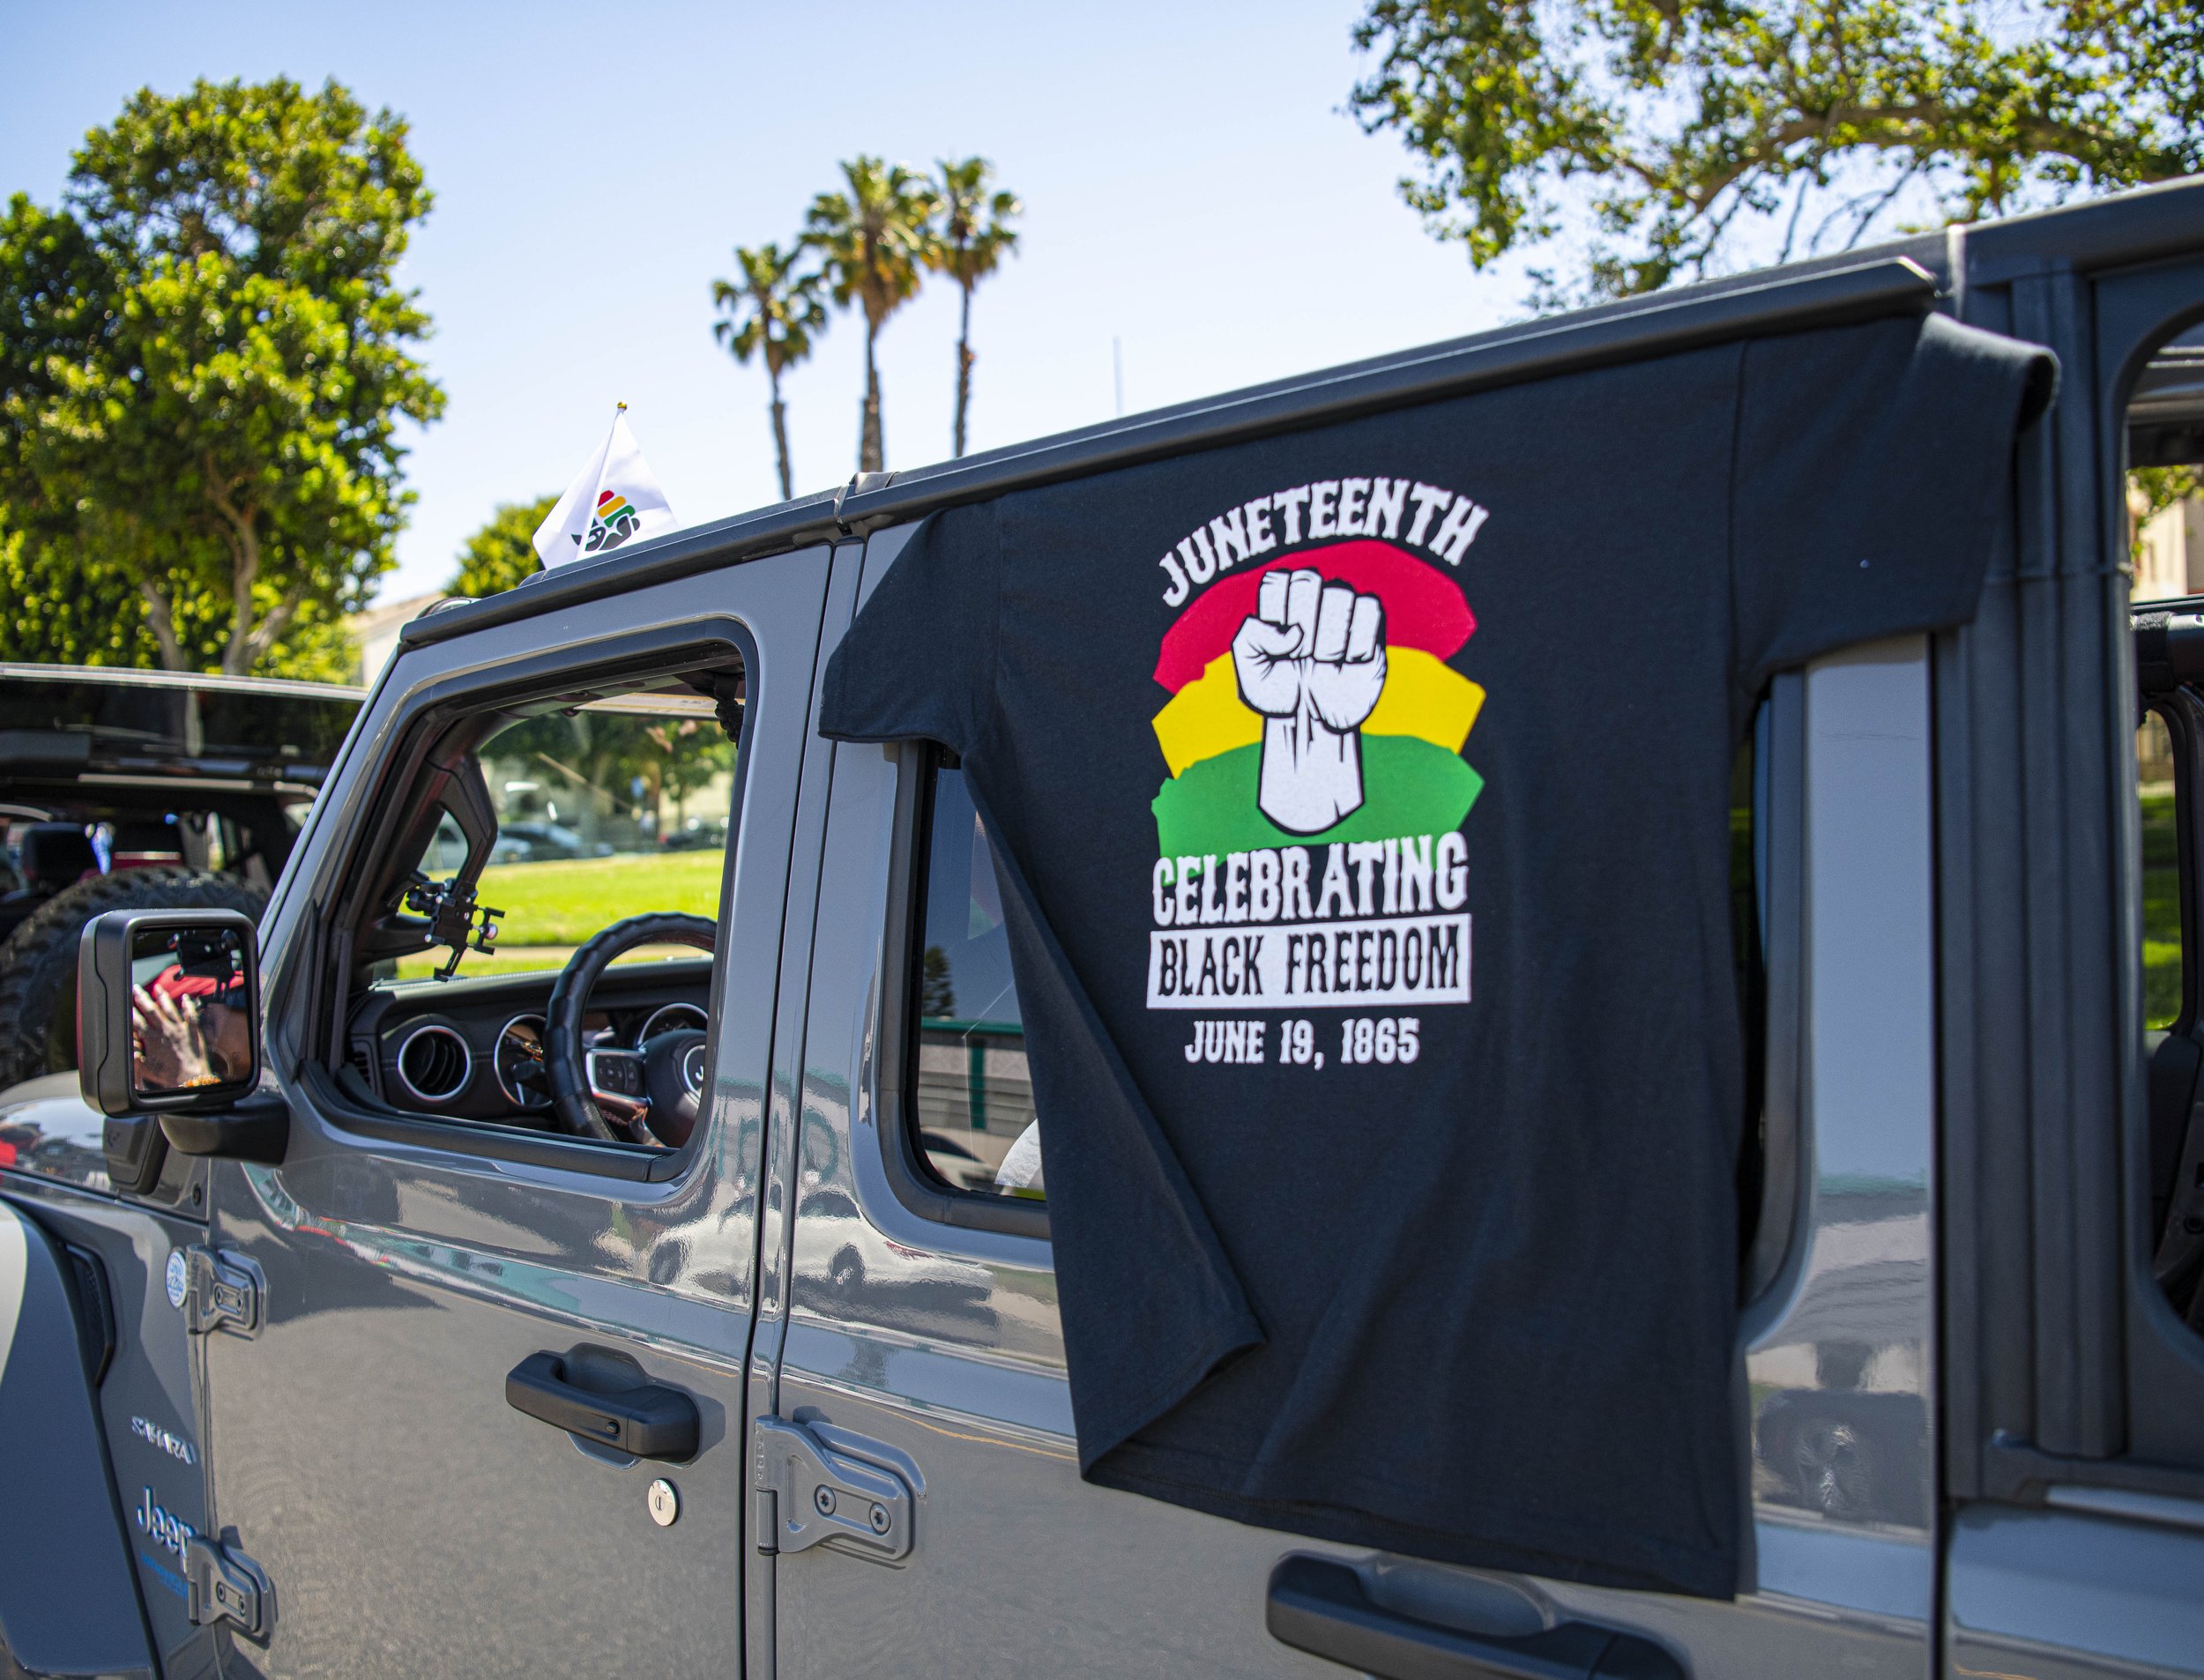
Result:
{"points": [[1312, 661]]}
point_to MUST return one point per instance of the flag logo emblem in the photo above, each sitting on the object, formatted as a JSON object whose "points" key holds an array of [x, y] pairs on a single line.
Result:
{"points": [[614, 522]]}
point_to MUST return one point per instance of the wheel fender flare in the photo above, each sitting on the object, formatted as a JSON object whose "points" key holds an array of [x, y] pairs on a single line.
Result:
{"points": [[69, 1600]]}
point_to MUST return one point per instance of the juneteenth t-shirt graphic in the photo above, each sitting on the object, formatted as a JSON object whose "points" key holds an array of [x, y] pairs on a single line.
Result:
{"points": [[1309, 852], [1360, 804]]}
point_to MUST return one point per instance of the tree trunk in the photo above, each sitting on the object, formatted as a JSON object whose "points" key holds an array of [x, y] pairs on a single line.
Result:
{"points": [[264, 635], [780, 440], [237, 652], [244, 647], [963, 370], [871, 447], [160, 619]]}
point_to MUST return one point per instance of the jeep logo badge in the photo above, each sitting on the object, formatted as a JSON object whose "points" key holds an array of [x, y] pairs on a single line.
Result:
{"points": [[179, 1276], [170, 1533]]}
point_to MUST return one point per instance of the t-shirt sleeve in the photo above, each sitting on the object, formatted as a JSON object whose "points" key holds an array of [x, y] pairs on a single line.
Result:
{"points": [[1870, 476], [918, 662]]}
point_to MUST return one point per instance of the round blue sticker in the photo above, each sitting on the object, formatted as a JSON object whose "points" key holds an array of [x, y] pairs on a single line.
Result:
{"points": [[177, 1275]]}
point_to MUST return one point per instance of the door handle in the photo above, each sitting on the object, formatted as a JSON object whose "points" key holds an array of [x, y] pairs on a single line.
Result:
{"points": [[651, 1422], [1321, 1608]]}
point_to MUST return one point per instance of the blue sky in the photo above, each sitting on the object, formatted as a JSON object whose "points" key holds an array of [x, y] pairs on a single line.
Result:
{"points": [[1193, 192]]}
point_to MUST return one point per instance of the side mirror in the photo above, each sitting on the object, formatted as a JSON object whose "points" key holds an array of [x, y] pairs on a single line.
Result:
{"points": [[168, 1026]]}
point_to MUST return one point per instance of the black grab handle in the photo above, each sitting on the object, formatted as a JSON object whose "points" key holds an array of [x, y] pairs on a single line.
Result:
{"points": [[1323, 1607], [652, 1422]]}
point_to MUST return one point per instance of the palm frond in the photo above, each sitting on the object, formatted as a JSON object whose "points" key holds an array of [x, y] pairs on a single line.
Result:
{"points": [[773, 307]]}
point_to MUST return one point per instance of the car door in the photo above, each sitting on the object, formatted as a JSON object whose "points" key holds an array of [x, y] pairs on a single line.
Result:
{"points": [[919, 1358], [366, 1462], [2074, 1141], [125, 1245]]}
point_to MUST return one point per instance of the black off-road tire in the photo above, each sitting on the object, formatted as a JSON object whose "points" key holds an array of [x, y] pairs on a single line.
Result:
{"points": [[38, 964]]}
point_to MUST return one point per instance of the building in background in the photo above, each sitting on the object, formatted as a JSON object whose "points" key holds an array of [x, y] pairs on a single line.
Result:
{"points": [[2170, 553], [374, 633]]}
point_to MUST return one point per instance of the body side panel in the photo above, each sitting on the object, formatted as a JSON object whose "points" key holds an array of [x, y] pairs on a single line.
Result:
{"points": [[68, 1604]]}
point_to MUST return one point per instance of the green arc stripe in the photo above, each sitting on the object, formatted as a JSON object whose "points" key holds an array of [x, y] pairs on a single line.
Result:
{"points": [[1409, 786]]}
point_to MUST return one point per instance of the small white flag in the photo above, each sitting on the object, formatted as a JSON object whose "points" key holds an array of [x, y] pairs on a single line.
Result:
{"points": [[613, 499]]}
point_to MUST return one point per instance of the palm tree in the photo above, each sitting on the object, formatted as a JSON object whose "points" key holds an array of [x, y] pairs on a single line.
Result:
{"points": [[975, 236], [874, 238], [774, 309]]}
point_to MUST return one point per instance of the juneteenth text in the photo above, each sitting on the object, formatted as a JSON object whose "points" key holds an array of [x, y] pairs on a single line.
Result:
{"points": [[1441, 521]]}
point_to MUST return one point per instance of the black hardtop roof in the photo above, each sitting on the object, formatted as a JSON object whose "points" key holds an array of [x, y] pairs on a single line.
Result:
{"points": [[12, 672], [1910, 275], [60, 724]]}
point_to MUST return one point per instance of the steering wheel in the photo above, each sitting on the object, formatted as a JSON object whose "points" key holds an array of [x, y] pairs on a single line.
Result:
{"points": [[652, 1090]]}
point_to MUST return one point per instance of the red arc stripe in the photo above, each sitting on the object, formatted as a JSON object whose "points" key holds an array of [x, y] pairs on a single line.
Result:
{"points": [[1424, 607]]}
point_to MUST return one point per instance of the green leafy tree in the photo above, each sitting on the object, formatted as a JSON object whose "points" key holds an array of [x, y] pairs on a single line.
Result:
{"points": [[205, 358], [1677, 124], [504, 551], [874, 238], [2151, 490], [772, 310], [596, 760], [937, 987], [974, 236]]}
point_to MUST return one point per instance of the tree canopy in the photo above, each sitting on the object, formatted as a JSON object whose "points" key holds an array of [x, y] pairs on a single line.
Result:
{"points": [[205, 357], [503, 550], [875, 239], [974, 237], [1672, 126], [774, 309]]}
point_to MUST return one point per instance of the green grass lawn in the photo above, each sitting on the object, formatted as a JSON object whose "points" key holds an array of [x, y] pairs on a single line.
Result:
{"points": [[550, 908], [2161, 912], [568, 902]]}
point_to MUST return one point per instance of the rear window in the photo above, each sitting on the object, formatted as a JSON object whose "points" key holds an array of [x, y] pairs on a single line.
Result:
{"points": [[977, 1130], [124, 725]]}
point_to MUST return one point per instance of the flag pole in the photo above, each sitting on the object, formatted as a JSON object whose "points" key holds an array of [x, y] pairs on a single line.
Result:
{"points": [[603, 460]]}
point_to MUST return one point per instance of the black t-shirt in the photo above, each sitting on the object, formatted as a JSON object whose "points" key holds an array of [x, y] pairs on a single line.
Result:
{"points": [[1359, 798]]}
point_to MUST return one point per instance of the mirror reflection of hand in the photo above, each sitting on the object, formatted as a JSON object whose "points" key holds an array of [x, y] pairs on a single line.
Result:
{"points": [[170, 1049]]}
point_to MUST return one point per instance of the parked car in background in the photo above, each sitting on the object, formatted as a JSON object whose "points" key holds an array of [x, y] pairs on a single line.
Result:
{"points": [[139, 790], [696, 834], [541, 842]]}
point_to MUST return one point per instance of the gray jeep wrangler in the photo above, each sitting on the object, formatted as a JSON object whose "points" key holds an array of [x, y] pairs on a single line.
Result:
{"points": [[454, 1281]]}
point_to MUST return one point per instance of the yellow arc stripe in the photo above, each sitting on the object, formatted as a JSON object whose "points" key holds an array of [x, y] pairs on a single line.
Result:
{"points": [[1423, 697]]}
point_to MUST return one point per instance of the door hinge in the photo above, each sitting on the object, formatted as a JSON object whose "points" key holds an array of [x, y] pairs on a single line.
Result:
{"points": [[223, 1293], [225, 1586], [822, 1486]]}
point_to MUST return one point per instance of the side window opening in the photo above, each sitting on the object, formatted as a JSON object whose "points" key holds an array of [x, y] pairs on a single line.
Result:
{"points": [[2172, 1045], [583, 832], [2165, 505], [2175, 1056], [2165, 973], [973, 1117]]}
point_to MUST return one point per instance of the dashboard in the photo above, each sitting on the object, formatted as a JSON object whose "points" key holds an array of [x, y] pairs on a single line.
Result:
{"points": [[472, 1048]]}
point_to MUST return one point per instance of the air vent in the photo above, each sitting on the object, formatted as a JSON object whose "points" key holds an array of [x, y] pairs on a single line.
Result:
{"points": [[363, 1063], [434, 1064]]}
